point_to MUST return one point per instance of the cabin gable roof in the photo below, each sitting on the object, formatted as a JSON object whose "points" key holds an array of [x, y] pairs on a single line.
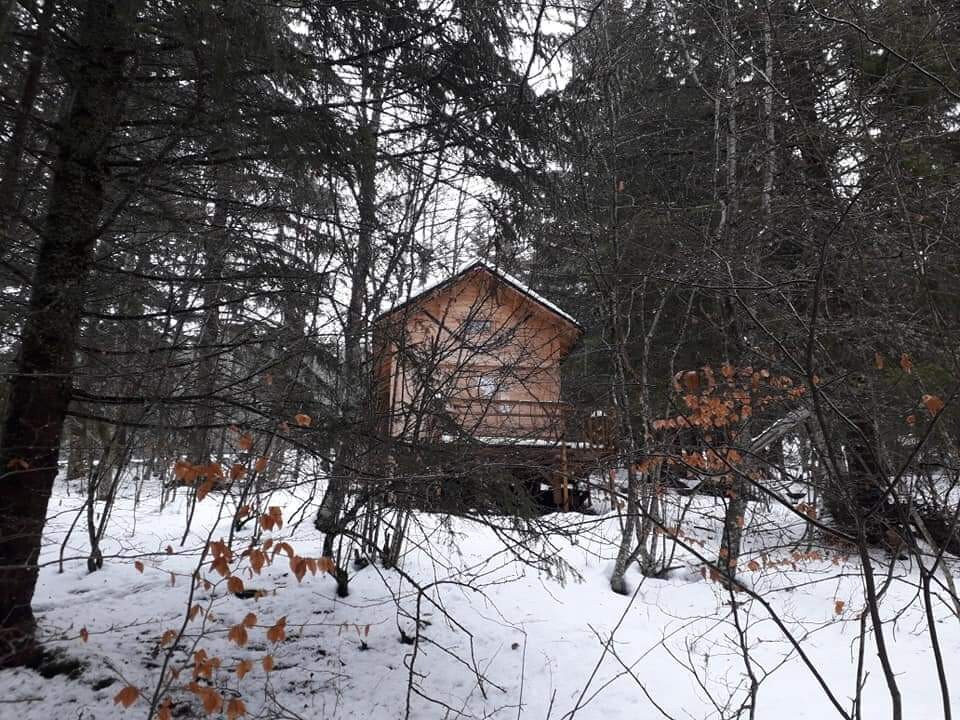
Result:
{"points": [[499, 275]]}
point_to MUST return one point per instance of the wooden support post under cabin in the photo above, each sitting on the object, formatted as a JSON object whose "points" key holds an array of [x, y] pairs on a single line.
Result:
{"points": [[557, 485], [564, 478]]}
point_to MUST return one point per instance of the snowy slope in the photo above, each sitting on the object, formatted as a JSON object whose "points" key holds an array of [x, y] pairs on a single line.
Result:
{"points": [[539, 641]]}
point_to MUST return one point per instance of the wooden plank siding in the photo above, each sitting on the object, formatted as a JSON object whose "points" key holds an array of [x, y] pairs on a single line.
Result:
{"points": [[475, 358]]}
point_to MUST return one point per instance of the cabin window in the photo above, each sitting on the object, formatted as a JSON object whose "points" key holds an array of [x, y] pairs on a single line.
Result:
{"points": [[487, 386], [493, 387], [473, 328]]}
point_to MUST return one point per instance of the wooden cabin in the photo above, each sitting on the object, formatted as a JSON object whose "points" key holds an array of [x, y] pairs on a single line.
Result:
{"points": [[473, 362]]}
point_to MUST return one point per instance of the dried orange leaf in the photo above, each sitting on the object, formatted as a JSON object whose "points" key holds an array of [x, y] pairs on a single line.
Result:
{"points": [[235, 709], [220, 565], [165, 712], [205, 489], [278, 632], [127, 697], [84, 634], [243, 667], [238, 635], [260, 465], [234, 584], [276, 513], [838, 607], [185, 472], [250, 620], [298, 566], [906, 363], [212, 701], [219, 547], [257, 560], [303, 420], [268, 662], [138, 565], [933, 404]]}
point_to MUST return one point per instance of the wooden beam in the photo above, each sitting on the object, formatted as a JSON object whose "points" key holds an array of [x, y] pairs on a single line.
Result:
{"points": [[564, 478]]}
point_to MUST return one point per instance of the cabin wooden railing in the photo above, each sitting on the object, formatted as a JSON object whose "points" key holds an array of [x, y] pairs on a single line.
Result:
{"points": [[520, 419], [532, 420]]}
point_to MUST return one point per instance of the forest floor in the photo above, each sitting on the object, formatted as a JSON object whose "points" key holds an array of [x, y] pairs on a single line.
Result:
{"points": [[498, 638]]}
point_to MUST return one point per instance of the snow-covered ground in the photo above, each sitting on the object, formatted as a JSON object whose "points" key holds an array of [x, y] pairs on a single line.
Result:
{"points": [[545, 647]]}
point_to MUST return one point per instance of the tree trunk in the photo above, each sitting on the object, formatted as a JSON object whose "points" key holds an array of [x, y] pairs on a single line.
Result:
{"points": [[215, 245], [736, 500], [334, 497], [40, 389], [77, 465], [626, 443], [769, 147], [329, 515], [733, 522]]}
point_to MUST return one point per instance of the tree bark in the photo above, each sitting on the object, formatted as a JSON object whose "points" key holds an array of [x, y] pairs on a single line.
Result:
{"points": [[627, 445], [769, 148], [40, 388]]}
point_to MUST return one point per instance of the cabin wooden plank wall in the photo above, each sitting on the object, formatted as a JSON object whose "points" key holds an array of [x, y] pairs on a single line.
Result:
{"points": [[477, 357]]}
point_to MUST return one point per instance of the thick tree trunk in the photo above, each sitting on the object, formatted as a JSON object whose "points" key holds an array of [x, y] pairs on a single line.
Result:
{"points": [[40, 389]]}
